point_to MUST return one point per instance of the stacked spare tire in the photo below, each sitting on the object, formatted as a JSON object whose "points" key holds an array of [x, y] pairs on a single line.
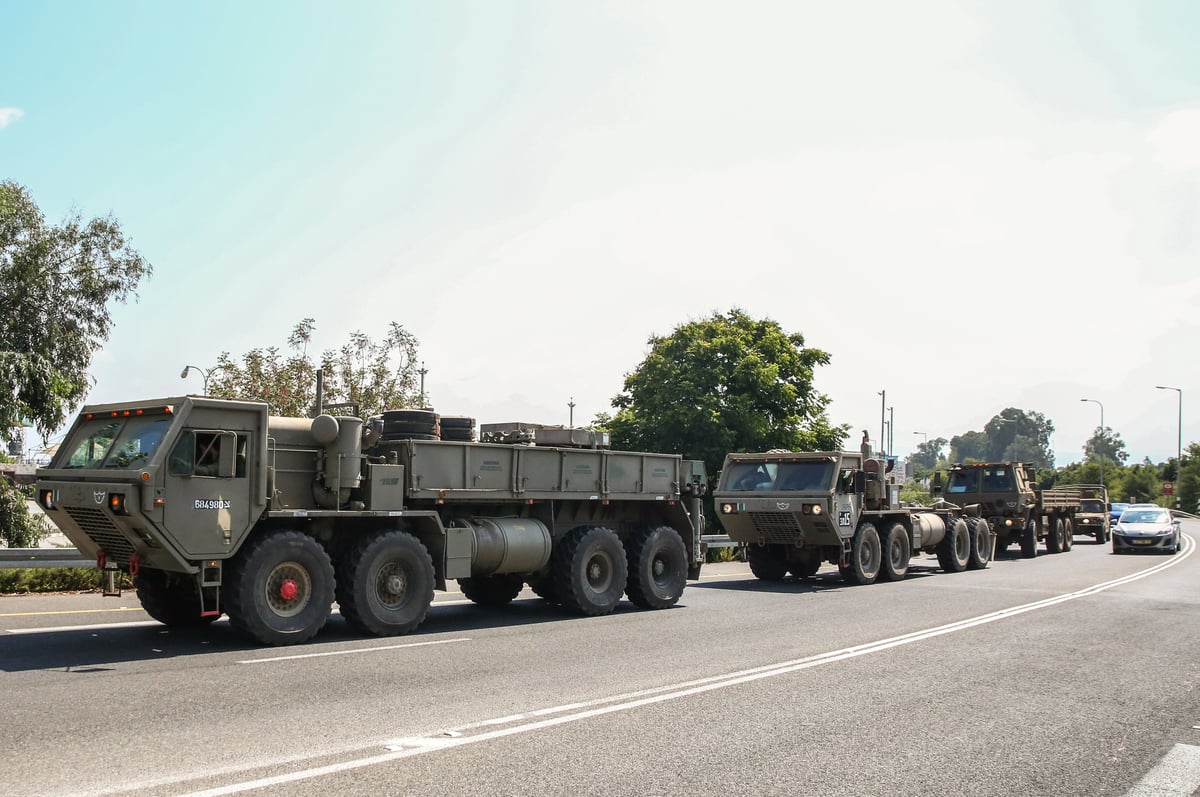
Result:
{"points": [[425, 424]]}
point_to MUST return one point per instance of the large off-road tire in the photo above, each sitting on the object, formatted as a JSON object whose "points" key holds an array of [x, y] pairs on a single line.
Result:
{"points": [[897, 551], [279, 588], [1029, 540], [1054, 535], [171, 598], [386, 583], [866, 555], [590, 570], [954, 551], [766, 562], [495, 590], [805, 568], [981, 543], [1068, 534], [658, 566]]}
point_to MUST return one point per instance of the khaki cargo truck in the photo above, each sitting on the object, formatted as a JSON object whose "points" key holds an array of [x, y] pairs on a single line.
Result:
{"points": [[796, 510], [1018, 510], [216, 507]]}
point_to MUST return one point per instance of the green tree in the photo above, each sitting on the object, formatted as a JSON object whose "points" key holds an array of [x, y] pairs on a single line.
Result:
{"points": [[723, 384], [375, 376], [56, 285], [970, 447], [929, 453], [19, 528], [1189, 483], [1012, 435], [1106, 444]]}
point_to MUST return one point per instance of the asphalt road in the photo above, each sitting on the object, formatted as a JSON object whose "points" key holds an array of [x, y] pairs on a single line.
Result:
{"points": [[1069, 674]]}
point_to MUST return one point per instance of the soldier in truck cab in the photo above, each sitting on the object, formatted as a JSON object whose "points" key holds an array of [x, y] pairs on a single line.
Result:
{"points": [[208, 458]]}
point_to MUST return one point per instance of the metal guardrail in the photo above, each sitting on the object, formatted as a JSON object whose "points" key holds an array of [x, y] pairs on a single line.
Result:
{"points": [[11, 558]]}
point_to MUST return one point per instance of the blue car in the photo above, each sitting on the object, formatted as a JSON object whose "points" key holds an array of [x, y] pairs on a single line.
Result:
{"points": [[1114, 512]]}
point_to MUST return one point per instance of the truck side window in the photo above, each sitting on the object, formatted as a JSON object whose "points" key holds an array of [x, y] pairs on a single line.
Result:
{"points": [[208, 454], [239, 465], [182, 461]]}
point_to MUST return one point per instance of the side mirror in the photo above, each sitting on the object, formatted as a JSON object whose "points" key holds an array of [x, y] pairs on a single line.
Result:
{"points": [[860, 481], [935, 487]]}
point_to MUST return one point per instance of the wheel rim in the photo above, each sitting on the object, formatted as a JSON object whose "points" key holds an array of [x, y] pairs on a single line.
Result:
{"points": [[599, 572], [288, 588], [659, 570], [391, 585], [896, 554], [868, 556]]}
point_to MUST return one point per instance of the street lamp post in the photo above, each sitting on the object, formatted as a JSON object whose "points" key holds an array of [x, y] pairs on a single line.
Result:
{"points": [[1094, 401], [203, 373], [882, 419], [1178, 447]]}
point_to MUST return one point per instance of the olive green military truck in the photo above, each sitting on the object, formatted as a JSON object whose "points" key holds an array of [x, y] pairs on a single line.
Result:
{"points": [[214, 506], [1092, 517], [1018, 510], [795, 510]]}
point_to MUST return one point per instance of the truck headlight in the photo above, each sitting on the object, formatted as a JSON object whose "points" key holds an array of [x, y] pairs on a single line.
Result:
{"points": [[46, 499]]}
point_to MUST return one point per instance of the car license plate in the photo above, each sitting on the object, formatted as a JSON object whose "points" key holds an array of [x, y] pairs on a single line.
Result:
{"points": [[1142, 542]]}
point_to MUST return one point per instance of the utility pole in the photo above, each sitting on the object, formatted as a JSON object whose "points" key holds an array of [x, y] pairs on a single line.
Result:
{"points": [[571, 407], [882, 418], [422, 371]]}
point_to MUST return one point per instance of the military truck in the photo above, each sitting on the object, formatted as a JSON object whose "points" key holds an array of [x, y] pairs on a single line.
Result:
{"points": [[215, 506], [796, 510], [1092, 518], [1018, 510]]}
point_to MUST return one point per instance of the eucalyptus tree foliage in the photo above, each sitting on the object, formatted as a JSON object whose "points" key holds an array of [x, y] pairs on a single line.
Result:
{"points": [[56, 286], [1012, 435], [724, 384], [1105, 444], [374, 375]]}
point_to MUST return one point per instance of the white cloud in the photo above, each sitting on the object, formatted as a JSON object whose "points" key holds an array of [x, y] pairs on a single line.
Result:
{"points": [[9, 115], [1176, 139]]}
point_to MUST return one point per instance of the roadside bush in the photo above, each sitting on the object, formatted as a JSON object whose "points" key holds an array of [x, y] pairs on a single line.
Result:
{"points": [[55, 579]]}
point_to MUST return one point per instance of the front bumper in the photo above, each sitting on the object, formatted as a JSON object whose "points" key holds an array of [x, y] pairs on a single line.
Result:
{"points": [[1160, 543]]}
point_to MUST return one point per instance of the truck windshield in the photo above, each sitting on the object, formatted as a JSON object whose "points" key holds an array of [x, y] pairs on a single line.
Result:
{"points": [[779, 476], [111, 443], [963, 481], [1091, 505]]}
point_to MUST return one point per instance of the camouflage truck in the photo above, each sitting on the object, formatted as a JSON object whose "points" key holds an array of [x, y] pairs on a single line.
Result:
{"points": [[1092, 518], [796, 510], [1018, 510], [214, 506]]}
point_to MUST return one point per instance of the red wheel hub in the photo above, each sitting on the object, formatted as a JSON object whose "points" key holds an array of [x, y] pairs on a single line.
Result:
{"points": [[288, 589]]}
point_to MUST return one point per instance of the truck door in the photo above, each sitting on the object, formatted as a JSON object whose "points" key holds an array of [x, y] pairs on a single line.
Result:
{"points": [[208, 490]]}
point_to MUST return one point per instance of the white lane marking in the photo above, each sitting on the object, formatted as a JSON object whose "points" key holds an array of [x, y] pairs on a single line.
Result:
{"points": [[355, 650], [1176, 773], [93, 627], [413, 746]]}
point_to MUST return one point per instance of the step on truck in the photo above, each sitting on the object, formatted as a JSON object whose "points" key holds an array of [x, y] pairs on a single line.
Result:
{"points": [[215, 507], [1018, 510], [795, 510]]}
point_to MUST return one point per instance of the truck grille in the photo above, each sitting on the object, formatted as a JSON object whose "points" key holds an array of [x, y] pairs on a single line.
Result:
{"points": [[102, 531], [776, 526]]}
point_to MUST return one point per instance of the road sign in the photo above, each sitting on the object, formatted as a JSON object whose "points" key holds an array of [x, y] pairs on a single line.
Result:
{"points": [[1168, 488]]}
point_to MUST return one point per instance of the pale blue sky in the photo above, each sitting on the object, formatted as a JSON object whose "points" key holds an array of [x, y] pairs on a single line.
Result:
{"points": [[972, 205]]}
